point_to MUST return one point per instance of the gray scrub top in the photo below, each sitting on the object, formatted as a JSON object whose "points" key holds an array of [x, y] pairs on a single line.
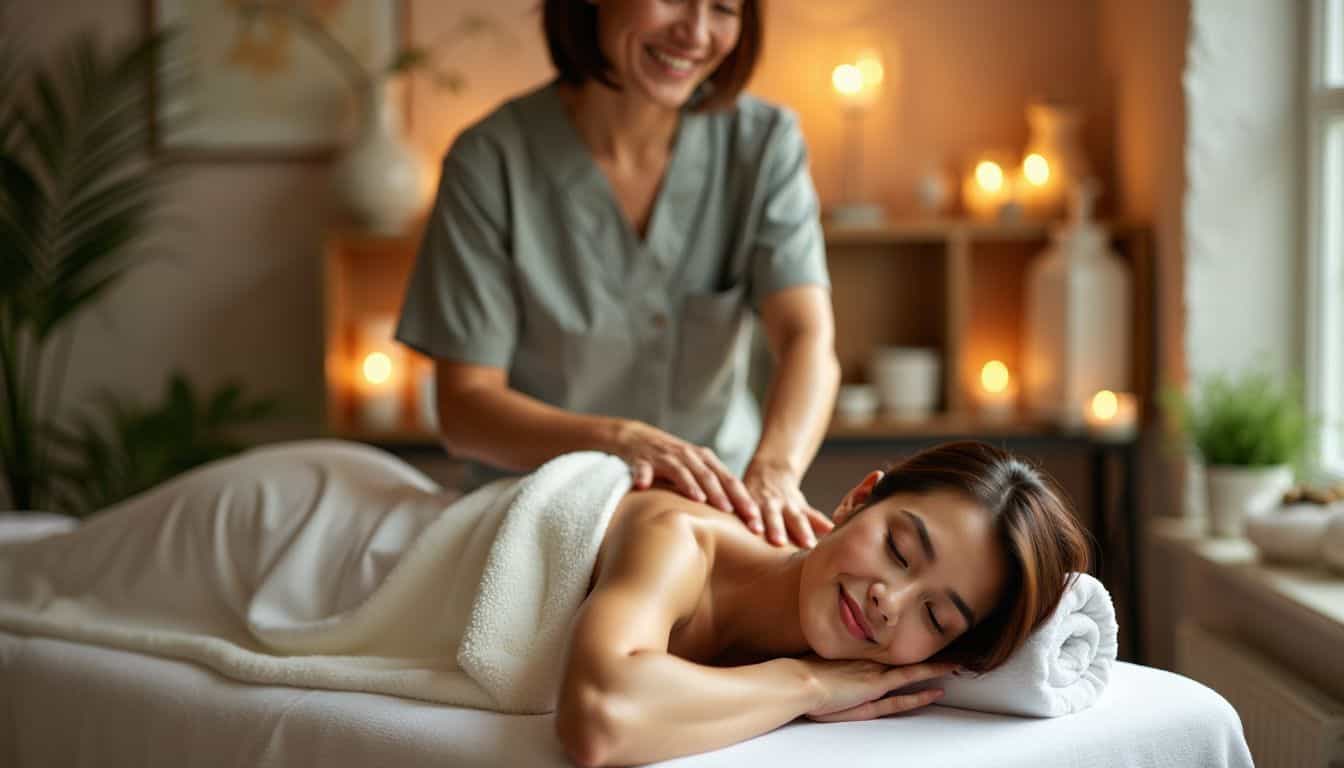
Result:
{"points": [[529, 264]]}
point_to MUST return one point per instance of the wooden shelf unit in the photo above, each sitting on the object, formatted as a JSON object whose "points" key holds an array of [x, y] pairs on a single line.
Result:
{"points": [[958, 285], [952, 284]]}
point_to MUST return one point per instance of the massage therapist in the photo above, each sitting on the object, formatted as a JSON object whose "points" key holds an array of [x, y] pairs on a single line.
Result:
{"points": [[600, 249]]}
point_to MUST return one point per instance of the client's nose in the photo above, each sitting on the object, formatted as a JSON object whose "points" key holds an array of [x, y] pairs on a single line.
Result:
{"points": [[886, 602]]}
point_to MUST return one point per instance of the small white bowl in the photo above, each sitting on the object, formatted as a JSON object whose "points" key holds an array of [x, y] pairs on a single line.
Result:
{"points": [[856, 402]]}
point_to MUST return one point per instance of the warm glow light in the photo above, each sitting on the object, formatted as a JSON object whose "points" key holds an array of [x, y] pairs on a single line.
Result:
{"points": [[994, 376], [989, 176], [1105, 405], [1036, 169], [870, 67], [377, 368], [847, 79]]}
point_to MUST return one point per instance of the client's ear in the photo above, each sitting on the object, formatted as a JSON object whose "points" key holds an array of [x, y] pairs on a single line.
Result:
{"points": [[857, 497]]}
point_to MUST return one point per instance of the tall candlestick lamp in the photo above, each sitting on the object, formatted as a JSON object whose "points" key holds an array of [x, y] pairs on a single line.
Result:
{"points": [[857, 85]]}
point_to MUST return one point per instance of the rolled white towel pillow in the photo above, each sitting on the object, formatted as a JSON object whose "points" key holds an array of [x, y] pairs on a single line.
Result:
{"points": [[1063, 667], [1290, 534], [1332, 540]]}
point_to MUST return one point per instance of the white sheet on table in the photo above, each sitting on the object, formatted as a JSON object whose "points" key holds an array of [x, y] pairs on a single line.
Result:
{"points": [[67, 704]]}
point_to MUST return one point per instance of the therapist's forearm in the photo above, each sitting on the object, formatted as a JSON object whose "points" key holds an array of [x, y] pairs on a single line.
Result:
{"points": [[798, 405], [508, 429]]}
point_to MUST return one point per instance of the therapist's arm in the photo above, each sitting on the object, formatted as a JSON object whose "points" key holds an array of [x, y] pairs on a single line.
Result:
{"points": [[800, 329], [484, 419]]}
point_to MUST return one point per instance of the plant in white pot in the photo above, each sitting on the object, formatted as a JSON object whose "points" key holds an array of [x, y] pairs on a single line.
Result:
{"points": [[1251, 432]]}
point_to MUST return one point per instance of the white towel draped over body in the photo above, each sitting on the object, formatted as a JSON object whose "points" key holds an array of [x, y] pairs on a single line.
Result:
{"points": [[1062, 668], [332, 565]]}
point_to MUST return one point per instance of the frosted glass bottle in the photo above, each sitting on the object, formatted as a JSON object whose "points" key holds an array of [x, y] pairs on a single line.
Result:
{"points": [[1077, 318]]}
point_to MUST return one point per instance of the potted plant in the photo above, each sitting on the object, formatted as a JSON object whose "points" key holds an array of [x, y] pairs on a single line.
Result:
{"points": [[76, 199], [1251, 432]]}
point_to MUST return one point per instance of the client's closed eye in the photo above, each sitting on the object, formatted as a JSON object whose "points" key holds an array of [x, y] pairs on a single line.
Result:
{"points": [[895, 552], [934, 619]]}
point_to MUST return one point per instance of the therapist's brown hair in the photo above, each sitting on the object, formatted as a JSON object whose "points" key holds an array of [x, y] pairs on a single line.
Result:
{"points": [[571, 37], [1042, 540]]}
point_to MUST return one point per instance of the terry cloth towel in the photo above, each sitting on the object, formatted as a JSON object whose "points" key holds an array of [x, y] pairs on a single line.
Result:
{"points": [[1063, 666], [333, 565]]}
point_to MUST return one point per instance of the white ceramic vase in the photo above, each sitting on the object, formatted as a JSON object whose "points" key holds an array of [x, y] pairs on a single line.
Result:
{"points": [[380, 178], [1237, 493]]}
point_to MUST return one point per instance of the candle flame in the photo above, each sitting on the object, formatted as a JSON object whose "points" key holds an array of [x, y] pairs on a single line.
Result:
{"points": [[994, 376], [989, 176], [847, 80], [1037, 169], [1105, 405], [870, 67], [377, 367]]}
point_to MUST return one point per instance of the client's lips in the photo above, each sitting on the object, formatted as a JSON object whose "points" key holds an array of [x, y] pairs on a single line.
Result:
{"points": [[852, 617]]}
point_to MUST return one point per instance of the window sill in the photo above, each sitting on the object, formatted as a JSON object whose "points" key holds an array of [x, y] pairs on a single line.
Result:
{"points": [[1316, 591]]}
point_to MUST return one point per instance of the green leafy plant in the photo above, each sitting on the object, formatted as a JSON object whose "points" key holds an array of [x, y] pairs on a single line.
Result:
{"points": [[121, 447], [77, 193], [1250, 420]]}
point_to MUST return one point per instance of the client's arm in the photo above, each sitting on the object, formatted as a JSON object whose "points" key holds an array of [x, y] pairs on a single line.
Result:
{"points": [[625, 699]]}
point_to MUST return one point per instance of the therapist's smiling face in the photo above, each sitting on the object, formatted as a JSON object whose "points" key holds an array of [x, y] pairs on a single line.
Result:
{"points": [[902, 579], [662, 49]]}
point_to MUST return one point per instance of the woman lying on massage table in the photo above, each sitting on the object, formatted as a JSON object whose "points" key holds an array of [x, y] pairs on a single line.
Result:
{"points": [[334, 565], [696, 634]]}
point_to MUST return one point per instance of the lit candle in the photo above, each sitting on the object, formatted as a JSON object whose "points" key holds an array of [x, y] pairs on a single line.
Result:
{"points": [[1039, 188], [986, 190], [857, 84], [998, 392], [1112, 416], [379, 376]]}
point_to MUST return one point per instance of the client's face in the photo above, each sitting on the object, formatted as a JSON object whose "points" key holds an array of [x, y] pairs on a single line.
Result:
{"points": [[902, 579]]}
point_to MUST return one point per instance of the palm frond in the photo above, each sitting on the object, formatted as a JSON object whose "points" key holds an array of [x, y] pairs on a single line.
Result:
{"points": [[77, 194]]}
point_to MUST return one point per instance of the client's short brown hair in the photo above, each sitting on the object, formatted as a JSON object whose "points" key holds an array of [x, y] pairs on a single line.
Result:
{"points": [[571, 37], [1041, 539]]}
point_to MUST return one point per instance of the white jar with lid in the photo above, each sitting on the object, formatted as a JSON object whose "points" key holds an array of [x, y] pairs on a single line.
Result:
{"points": [[906, 379]]}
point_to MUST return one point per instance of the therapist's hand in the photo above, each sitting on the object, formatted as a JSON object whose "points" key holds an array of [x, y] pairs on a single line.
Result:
{"points": [[693, 471], [787, 514]]}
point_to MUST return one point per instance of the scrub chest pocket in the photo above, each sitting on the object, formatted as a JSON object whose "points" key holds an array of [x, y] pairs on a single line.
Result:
{"points": [[712, 329]]}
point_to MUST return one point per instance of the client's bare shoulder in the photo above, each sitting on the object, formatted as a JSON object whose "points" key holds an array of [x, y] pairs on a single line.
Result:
{"points": [[658, 530], [664, 515]]}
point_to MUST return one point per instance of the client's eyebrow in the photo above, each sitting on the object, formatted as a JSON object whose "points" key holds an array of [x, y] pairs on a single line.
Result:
{"points": [[927, 545]]}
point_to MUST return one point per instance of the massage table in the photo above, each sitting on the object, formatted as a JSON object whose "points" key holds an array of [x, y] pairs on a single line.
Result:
{"points": [[68, 704], [73, 704]]}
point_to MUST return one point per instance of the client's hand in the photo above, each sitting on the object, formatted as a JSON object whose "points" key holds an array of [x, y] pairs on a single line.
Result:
{"points": [[853, 689], [787, 513], [693, 471]]}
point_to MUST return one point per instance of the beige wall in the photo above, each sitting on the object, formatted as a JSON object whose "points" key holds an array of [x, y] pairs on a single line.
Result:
{"points": [[239, 294]]}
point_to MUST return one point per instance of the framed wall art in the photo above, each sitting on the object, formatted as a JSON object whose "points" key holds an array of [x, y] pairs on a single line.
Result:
{"points": [[255, 80]]}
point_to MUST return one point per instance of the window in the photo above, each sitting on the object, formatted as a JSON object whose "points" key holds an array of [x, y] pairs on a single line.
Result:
{"points": [[1325, 230]]}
